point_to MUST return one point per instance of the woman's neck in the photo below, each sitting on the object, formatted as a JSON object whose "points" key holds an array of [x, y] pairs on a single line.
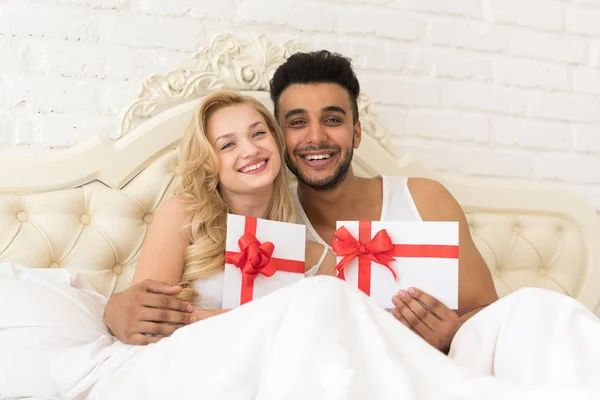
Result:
{"points": [[255, 204]]}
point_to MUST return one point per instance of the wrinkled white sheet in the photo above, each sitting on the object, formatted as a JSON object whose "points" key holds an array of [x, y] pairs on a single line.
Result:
{"points": [[322, 339], [317, 339]]}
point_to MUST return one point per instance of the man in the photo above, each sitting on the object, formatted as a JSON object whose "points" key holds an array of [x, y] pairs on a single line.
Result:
{"points": [[315, 99]]}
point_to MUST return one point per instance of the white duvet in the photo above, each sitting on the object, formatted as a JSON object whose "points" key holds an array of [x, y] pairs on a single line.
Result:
{"points": [[317, 339]]}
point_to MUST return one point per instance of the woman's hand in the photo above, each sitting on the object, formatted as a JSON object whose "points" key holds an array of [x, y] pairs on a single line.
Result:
{"points": [[201, 313]]}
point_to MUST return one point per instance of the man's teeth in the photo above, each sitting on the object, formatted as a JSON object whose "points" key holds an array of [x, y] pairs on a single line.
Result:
{"points": [[317, 157], [253, 167]]}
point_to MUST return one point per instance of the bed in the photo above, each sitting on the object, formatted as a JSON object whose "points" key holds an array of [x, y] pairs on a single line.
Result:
{"points": [[87, 208]]}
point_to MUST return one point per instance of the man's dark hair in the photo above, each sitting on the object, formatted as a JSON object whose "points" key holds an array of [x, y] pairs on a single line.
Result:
{"points": [[316, 67]]}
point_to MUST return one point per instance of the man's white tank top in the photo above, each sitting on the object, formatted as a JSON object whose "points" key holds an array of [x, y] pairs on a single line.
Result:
{"points": [[398, 205]]}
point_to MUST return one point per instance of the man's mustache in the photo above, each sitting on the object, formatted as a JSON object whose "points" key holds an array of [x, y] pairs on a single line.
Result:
{"points": [[318, 148]]}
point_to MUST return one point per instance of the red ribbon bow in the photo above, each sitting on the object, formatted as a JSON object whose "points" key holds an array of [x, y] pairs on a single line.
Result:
{"points": [[256, 258], [379, 249]]}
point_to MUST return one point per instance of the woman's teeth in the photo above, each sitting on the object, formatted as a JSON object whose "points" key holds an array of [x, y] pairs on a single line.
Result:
{"points": [[317, 157], [253, 167]]}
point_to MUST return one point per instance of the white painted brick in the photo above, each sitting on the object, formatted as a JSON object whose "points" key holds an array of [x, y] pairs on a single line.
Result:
{"points": [[522, 133], [548, 46], [468, 8], [114, 4], [437, 61], [305, 16], [532, 73], [466, 34], [410, 59], [145, 31], [366, 53], [220, 9], [535, 13], [47, 20], [401, 91], [15, 127], [468, 160], [393, 118], [64, 130], [586, 80], [583, 20], [573, 168], [448, 125], [595, 53], [565, 107], [391, 24], [460, 64], [587, 138], [484, 97]]}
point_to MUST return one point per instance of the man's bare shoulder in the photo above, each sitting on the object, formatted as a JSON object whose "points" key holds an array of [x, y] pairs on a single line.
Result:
{"points": [[433, 200]]}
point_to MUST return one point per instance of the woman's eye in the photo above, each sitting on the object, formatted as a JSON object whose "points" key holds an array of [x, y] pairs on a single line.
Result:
{"points": [[259, 133], [226, 146]]}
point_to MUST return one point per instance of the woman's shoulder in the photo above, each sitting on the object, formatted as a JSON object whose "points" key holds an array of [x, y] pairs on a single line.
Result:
{"points": [[173, 215]]}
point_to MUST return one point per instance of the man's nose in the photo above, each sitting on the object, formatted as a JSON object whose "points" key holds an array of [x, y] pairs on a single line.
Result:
{"points": [[316, 134]]}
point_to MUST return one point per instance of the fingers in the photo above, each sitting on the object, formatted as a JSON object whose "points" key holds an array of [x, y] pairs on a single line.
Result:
{"points": [[163, 301], [163, 316], [413, 320], [437, 307], [400, 318], [421, 313], [153, 286], [140, 339], [157, 328]]}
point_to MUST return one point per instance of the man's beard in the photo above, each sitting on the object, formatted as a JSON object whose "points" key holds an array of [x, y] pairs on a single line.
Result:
{"points": [[326, 183]]}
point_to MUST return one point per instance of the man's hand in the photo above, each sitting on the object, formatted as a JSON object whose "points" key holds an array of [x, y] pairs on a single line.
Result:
{"points": [[148, 307], [434, 322]]}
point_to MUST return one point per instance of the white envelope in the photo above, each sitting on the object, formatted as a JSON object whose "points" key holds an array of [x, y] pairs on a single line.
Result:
{"points": [[436, 276], [289, 241]]}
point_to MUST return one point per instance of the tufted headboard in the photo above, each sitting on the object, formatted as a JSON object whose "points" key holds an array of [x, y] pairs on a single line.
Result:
{"points": [[87, 208]]}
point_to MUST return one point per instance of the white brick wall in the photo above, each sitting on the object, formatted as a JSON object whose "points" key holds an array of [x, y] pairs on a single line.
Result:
{"points": [[507, 89]]}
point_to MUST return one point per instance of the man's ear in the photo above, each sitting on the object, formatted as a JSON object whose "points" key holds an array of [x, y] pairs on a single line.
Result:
{"points": [[357, 134]]}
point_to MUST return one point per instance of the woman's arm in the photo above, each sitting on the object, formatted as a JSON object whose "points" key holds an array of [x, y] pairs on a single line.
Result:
{"points": [[162, 257], [148, 310]]}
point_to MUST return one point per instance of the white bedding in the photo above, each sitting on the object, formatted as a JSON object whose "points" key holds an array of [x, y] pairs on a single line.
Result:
{"points": [[322, 339]]}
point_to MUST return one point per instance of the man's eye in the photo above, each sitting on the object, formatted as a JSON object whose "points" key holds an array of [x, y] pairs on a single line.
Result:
{"points": [[297, 122], [333, 120]]}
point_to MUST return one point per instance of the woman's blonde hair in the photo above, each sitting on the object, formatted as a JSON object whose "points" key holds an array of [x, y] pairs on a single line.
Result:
{"points": [[198, 186]]}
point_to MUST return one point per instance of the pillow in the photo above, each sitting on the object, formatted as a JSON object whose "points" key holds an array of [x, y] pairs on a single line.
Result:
{"points": [[42, 310]]}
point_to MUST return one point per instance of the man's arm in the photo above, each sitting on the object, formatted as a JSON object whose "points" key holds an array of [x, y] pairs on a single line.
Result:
{"points": [[149, 307], [424, 314], [476, 287]]}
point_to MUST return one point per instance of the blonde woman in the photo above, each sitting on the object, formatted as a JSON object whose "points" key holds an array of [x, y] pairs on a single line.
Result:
{"points": [[230, 161]]}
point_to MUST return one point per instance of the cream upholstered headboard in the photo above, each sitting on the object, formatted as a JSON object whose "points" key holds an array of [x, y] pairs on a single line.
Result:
{"points": [[87, 208]]}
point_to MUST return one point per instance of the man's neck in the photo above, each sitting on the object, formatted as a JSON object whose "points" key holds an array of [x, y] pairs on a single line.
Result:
{"points": [[325, 207], [255, 204]]}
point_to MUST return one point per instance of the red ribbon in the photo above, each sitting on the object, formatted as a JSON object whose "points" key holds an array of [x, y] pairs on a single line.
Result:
{"points": [[256, 258], [380, 250]]}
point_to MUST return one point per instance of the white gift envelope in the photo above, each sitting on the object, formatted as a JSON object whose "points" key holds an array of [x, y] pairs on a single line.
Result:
{"points": [[425, 256], [251, 239]]}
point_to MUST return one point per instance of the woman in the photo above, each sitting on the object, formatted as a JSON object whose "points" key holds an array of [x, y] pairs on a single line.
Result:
{"points": [[230, 161]]}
